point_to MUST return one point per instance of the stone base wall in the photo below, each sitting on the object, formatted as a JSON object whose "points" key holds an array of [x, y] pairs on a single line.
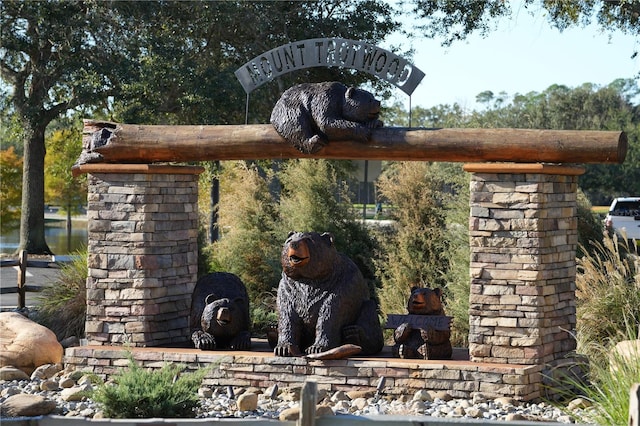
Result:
{"points": [[459, 378], [523, 238], [142, 253]]}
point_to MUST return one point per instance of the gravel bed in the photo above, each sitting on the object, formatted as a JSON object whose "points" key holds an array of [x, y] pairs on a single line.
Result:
{"points": [[67, 389]]}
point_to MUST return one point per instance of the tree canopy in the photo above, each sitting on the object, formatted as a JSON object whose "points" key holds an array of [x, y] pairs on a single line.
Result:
{"points": [[586, 107], [456, 20], [172, 62], [151, 62], [55, 56]]}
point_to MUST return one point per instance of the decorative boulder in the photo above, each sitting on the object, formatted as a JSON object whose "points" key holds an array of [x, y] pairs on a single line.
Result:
{"points": [[10, 373], [26, 344], [27, 405], [626, 352]]}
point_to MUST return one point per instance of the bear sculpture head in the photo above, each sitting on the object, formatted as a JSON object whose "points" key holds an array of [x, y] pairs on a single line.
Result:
{"points": [[219, 314], [308, 255], [360, 106], [425, 301]]}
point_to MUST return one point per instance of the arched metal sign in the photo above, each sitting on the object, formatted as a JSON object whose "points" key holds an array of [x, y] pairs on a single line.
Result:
{"points": [[329, 52]]}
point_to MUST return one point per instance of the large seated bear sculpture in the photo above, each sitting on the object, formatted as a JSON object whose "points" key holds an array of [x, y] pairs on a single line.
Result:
{"points": [[310, 115], [323, 301], [220, 313]]}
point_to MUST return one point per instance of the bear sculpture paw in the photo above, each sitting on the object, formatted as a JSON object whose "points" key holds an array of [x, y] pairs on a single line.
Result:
{"points": [[314, 144], [287, 350], [316, 349], [203, 340], [242, 342]]}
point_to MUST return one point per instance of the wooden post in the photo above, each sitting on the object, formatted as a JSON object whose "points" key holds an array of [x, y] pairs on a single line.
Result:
{"points": [[634, 405], [308, 398], [22, 278], [105, 142]]}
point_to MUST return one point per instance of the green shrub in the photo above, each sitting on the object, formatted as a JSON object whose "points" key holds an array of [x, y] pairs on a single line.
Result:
{"points": [[63, 304], [145, 393], [414, 253], [457, 273], [429, 246], [249, 245], [607, 293], [263, 315], [590, 227], [315, 197], [608, 383], [608, 311]]}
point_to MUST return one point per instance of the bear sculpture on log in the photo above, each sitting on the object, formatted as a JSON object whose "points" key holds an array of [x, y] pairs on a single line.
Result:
{"points": [[220, 313], [310, 115], [323, 302], [425, 341]]}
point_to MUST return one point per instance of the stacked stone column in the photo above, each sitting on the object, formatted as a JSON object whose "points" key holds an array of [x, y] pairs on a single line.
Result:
{"points": [[523, 238], [142, 253]]}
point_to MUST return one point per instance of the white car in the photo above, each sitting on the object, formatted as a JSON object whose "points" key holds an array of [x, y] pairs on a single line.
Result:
{"points": [[624, 217]]}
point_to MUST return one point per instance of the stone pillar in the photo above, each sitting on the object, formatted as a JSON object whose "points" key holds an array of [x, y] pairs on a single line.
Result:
{"points": [[523, 238], [142, 253]]}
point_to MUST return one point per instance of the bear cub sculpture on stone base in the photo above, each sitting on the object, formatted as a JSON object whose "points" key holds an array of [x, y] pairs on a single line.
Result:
{"points": [[323, 301], [310, 115], [421, 343], [220, 313]]}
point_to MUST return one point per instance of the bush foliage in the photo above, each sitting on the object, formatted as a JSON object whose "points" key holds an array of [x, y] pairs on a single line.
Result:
{"points": [[144, 393], [249, 243], [62, 306], [610, 376], [608, 294], [608, 311], [428, 245], [259, 207]]}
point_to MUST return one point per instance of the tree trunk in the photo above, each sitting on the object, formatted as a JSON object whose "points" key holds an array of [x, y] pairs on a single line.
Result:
{"points": [[32, 237], [214, 235], [69, 227]]}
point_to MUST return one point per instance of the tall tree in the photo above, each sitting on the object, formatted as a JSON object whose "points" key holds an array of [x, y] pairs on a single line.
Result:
{"points": [[61, 187], [151, 61], [187, 62], [587, 107], [10, 188], [455, 20], [54, 56]]}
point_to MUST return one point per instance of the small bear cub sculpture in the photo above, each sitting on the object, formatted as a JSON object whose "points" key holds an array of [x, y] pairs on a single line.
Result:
{"points": [[310, 115], [423, 343], [220, 313], [323, 301]]}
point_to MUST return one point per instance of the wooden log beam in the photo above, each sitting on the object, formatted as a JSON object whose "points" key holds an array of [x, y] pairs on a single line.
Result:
{"points": [[105, 142]]}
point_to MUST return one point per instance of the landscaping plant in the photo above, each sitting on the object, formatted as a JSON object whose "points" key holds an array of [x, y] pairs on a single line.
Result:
{"points": [[63, 304], [139, 392], [608, 311], [609, 381], [428, 244], [607, 294]]}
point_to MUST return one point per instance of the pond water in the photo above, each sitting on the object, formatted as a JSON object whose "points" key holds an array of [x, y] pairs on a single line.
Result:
{"points": [[56, 237]]}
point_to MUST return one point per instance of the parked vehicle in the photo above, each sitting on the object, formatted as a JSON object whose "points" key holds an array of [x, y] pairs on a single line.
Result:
{"points": [[624, 218]]}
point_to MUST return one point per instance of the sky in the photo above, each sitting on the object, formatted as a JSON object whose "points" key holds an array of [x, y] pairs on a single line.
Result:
{"points": [[521, 55]]}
